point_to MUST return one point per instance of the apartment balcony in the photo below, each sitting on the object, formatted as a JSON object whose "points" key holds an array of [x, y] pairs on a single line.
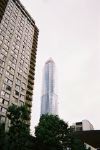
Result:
{"points": [[28, 97], [31, 72], [30, 92], [31, 75], [29, 103], [3, 4], [30, 86]]}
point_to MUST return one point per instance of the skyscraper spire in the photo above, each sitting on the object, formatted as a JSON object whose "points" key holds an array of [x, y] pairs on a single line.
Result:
{"points": [[49, 93]]}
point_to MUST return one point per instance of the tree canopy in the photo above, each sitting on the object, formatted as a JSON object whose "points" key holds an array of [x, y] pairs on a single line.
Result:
{"points": [[18, 116], [18, 136], [52, 133]]}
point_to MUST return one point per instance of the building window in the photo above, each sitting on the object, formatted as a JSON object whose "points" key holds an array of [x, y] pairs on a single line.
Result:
{"points": [[7, 42], [17, 46], [13, 47], [2, 119], [1, 69], [12, 64], [15, 100], [18, 81], [8, 81], [16, 51], [4, 51], [21, 64], [8, 13], [9, 75], [25, 75], [24, 80], [7, 95], [16, 93], [21, 103], [1, 37], [3, 110], [1, 100], [22, 96], [20, 70], [0, 42], [13, 59], [25, 69], [2, 93], [12, 52], [22, 57], [5, 47], [10, 69], [26, 65], [22, 61], [0, 75], [23, 85], [22, 90], [17, 87], [11, 4], [4, 86], [3, 57], [6, 103], [19, 75], [8, 88], [2, 62]]}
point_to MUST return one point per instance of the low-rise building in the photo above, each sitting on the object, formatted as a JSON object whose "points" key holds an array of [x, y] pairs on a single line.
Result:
{"points": [[84, 125]]}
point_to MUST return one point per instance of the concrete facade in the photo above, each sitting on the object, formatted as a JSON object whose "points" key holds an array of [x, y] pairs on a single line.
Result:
{"points": [[18, 46], [84, 125]]}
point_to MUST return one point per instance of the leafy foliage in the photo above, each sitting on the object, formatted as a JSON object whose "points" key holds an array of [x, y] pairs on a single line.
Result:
{"points": [[18, 117], [18, 137], [77, 144], [2, 136], [52, 133], [19, 129]]}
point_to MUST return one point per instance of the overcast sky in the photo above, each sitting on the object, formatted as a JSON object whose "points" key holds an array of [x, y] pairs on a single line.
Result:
{"points": [[70, 34]]}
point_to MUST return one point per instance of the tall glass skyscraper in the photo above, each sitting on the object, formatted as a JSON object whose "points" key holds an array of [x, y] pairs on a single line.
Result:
{"points": [[49, 93]]}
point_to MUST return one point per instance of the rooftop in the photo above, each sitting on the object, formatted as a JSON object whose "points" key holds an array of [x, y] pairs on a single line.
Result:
{"points": [[91, 137], [50, 60]]}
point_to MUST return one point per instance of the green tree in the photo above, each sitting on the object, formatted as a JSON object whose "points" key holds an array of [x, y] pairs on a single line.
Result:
{"points": [[2, 136], [52, 133], [18, 116], [77, 144], [19, 134]]}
